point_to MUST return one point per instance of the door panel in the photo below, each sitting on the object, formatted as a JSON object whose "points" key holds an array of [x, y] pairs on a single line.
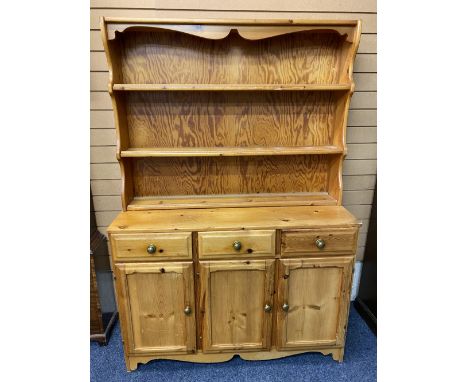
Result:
{"points": [[233, 297], [152, 298], [316, 292]]}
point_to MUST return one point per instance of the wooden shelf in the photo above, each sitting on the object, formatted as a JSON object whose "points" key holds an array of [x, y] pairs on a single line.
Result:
{"points": [[280, 89], [227, 151], [244, 200], [231, 87]]}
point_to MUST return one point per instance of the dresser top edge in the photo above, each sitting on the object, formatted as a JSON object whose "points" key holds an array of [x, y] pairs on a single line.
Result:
{"points": [[211, 219]]}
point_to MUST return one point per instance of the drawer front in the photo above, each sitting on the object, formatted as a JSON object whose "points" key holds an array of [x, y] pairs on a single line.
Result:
{"points": [[318, 241], [152, 246], [236, 244]]}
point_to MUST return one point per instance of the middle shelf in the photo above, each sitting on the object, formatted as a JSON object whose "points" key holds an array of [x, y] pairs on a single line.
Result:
{"points": [[232, 87], [227, 151]]}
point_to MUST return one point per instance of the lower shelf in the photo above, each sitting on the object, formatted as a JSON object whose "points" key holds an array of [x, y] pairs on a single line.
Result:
{"points": [[245, 200]]}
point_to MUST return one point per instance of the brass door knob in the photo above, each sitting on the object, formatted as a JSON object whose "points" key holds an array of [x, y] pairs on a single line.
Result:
{"points": [[237, 245], [285, 307], [151, 249], [187, 310], [267, 308], [320, 243]]}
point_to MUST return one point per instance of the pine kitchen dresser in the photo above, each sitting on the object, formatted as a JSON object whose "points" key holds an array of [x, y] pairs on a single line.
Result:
{"points": [[231, 136]]}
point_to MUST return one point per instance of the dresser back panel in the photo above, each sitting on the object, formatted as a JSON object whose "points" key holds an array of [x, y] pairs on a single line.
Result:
{"points": [[230, 175], [165, 56], [233, 119]]}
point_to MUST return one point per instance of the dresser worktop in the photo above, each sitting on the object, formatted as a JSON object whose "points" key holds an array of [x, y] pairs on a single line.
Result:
{"points": [[233, 218]]}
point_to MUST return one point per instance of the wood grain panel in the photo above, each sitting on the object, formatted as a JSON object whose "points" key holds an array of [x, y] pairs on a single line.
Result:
{"points": [[365, 63], [360, 100], [363, 81], [302, 241], [230, 175], [104, 119], [368, 43], [353, 181], [173, 57], [317, 292], [152, 298], [256, 243], [239, 119], [235, 218], [169, 246], [232, 297], [106, 196]]}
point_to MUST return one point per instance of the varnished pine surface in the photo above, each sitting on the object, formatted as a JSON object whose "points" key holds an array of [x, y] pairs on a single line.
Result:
{"points": [[221, 21], [230, 87], [232, 119], [178, 58], [227, 151], [245, 200], [199, 357], [241, 63], [232, 297], [233, 219], [316, 291], [229, 175]]}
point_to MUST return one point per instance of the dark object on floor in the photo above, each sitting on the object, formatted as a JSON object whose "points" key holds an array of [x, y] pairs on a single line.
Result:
{"points": [[100, 323], [360, 364], [366, 301]]}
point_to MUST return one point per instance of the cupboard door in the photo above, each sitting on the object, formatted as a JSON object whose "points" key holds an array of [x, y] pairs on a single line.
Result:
{"points": [[313, 301], [236, 300], [156, 307]]}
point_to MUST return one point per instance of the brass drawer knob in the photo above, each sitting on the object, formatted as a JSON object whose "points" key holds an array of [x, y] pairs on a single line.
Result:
{"points": [[237, 245], [320, 243], [151, 249], [267, 308], [285, 307], [187, 310]]}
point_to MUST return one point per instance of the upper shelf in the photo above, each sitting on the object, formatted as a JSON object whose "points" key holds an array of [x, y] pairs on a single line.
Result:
{"points": [[231, 87]]}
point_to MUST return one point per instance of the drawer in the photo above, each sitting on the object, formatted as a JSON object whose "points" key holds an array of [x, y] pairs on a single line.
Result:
{"points": [[318, 241], [152, 246], [236, 244]]}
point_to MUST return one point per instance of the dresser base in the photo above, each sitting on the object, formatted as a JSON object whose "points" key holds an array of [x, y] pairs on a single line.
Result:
{"points": [[132, 361]]}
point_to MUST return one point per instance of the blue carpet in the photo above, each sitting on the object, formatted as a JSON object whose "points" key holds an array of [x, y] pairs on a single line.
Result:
{"points": [[360, 364]]}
